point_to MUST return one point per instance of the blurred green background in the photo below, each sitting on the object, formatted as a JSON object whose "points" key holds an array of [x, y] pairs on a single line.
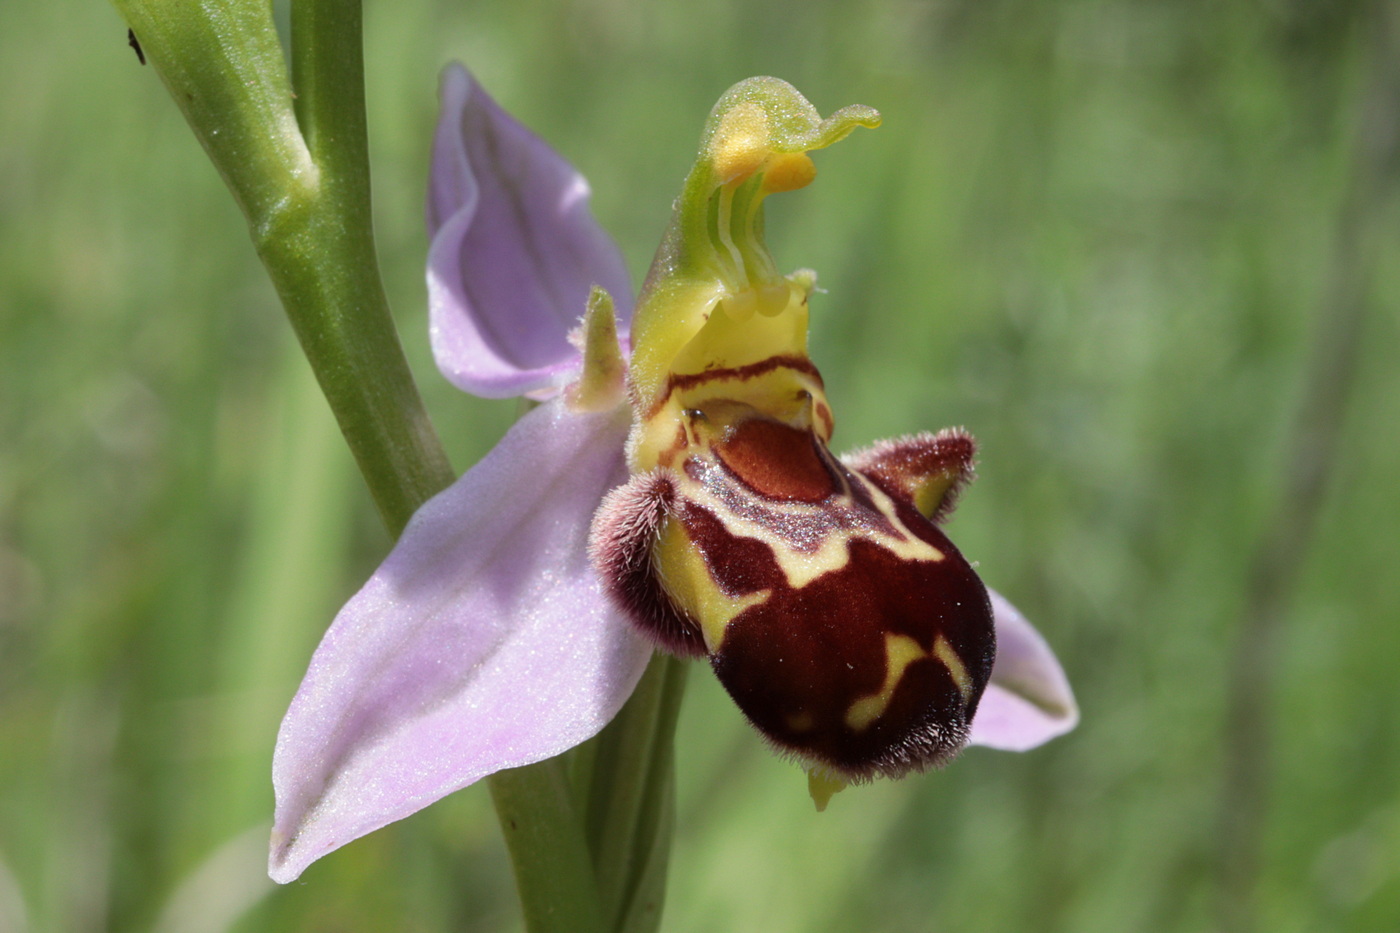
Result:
{"points": [[1145, 251]]}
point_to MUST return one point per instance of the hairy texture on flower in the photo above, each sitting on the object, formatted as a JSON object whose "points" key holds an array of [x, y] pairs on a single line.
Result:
{"points": [[931, 470], [622, 547]]}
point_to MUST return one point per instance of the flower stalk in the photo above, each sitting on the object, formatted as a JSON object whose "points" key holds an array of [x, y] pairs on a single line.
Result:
{"points": [[624, 780]]}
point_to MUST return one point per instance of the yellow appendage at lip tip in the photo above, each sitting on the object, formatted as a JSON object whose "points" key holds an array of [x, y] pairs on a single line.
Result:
{"points": [[822, 786]]}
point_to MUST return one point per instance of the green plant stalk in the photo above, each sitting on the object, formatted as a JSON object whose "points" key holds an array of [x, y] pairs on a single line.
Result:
{"points": [[623, 782], [553, 869], [298, 167]]}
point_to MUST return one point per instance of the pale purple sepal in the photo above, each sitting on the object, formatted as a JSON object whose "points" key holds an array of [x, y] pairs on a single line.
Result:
{"points": [[482, 642], [515, 250], [1028, 701]]}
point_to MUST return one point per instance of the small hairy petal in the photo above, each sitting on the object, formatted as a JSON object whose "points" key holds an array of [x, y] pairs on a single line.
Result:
{"points": [[626, 529], [929, 470], [1028, 701], [515, 250], [482, 642]]}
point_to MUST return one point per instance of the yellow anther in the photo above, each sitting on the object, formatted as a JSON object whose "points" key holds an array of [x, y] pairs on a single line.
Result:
{"points": [[789, 171]]}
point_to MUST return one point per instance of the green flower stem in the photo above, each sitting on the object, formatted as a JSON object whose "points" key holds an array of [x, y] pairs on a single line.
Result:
{"points": [[299, 171], [624, 781], [553, 870]]}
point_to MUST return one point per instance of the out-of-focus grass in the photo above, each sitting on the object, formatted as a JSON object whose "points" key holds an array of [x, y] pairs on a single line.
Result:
{"points": [[1101, 235]]}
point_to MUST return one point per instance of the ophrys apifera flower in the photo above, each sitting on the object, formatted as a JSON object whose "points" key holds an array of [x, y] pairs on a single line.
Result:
{"points": [[846, 626]]}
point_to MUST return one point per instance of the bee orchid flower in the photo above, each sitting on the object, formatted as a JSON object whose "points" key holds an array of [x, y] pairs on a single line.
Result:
{"points": [[674, 490]]}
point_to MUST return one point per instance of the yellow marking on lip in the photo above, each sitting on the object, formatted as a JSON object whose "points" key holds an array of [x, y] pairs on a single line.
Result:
{"points": [[783, 392], [686, 577], [956, 669], [900, 652], [801, 567]]}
